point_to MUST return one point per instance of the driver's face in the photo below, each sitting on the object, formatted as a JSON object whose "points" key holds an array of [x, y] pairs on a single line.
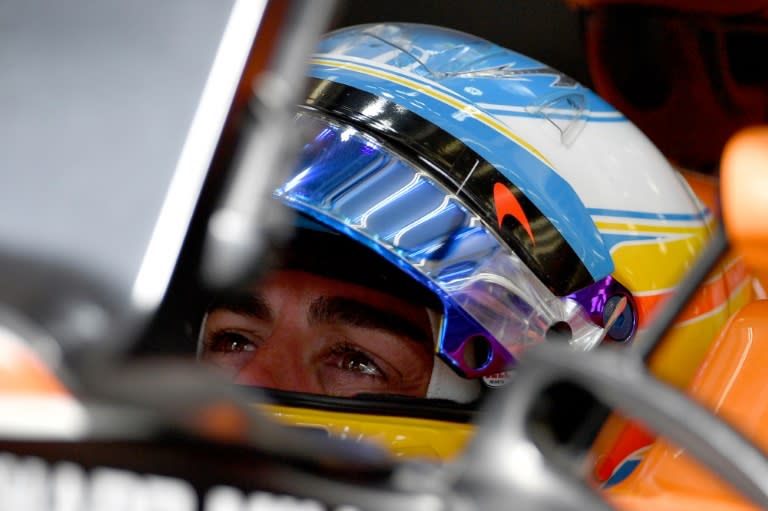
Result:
{"points": [[301, 332]]}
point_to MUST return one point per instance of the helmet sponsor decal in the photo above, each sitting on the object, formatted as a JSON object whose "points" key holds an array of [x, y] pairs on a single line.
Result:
{"points": [[499, 379], [507, 205]]}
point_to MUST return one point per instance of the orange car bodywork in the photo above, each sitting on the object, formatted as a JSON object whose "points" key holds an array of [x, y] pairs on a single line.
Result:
{"points": [[729, 287], [731, 379], [23, 372]]}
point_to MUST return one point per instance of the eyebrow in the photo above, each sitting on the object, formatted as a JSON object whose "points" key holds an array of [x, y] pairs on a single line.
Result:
{"points": [[245, 304], [329, 309]]}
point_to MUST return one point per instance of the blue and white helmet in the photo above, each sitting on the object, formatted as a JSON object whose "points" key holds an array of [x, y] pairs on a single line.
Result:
{"points": [[485, 175]]}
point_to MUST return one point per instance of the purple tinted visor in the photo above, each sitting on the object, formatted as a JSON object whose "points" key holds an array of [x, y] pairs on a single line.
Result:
{"points": [[493, 305]]}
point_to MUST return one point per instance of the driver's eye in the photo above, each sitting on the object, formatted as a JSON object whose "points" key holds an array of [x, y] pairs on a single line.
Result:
{"points": [[353, 360], [359, 364], [227, 342]]}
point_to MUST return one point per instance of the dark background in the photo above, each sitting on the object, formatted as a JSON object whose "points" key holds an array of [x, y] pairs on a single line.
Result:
{"points": [[547, 30]]}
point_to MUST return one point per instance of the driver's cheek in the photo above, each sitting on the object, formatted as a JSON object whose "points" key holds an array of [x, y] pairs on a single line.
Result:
{"points": [[229, 362], [276, 368], [344, 383], [284, 372], [281, 370]]}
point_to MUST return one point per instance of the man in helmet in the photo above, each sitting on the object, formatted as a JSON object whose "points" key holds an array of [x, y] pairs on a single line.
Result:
{"points": [[457, 202], [334, 319]]}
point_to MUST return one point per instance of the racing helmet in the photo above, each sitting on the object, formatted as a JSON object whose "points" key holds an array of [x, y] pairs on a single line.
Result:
{"points": [[682, 70], [530, 210]]}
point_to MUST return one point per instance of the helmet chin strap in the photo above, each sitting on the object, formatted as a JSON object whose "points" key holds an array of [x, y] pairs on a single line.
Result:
{"points": [[444, 383]]}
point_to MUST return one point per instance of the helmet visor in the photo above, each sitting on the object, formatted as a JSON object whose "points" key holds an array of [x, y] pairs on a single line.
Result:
{"points": [[493, 305]]}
